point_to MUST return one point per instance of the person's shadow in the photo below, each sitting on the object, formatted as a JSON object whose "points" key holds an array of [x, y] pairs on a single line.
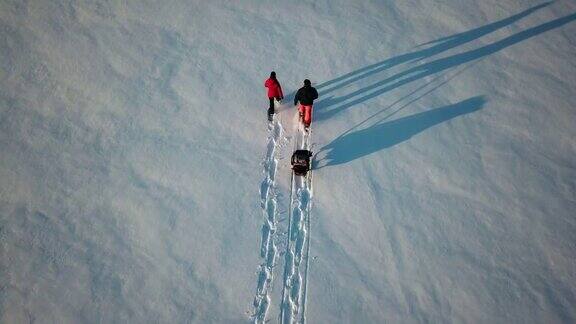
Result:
{"points": [[435, 47], [332, 105], [355, 144], [363, 142]]}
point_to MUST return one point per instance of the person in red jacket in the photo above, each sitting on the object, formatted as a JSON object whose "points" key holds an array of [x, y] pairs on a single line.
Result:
{"points": [[274, 92]]}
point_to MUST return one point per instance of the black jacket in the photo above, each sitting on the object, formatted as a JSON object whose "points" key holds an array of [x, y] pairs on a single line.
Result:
{"points": [[306, 95]]}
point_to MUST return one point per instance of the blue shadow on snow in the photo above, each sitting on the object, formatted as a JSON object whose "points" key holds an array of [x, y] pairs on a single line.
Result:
{"points": [[334, 105], [360, 143], [440, 45]]}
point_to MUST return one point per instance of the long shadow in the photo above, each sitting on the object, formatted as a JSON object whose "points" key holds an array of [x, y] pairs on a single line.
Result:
{"points": [[439, 65], [442, 45], [375, 138]]}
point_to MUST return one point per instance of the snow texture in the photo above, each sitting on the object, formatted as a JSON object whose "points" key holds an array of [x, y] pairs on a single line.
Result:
{"points": [[140, 181]]}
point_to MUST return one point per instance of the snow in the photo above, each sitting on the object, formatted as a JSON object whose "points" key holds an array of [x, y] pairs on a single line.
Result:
{"points": [[134, 153]]}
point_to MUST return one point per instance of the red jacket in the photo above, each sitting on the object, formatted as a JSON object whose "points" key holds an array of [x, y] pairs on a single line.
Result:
{"points": [[274, 88]]}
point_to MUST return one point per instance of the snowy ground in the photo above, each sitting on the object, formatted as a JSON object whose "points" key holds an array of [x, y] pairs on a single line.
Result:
{"points": [[134, 152]]}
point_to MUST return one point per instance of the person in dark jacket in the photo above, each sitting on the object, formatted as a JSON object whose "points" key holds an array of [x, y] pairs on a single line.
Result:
{"points": [[274, 92], [306, 96]]}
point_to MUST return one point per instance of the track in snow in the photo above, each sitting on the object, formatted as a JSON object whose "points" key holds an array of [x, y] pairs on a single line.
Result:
{"points": [[297, 246], [269, 204], [294, 291]]}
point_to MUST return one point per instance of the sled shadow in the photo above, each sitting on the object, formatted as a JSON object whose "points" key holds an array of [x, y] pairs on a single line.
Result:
{"points": [[332, 105], [360, 143]]}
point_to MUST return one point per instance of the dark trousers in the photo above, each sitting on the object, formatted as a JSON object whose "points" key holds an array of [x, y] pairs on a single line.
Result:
{"points": [[271, 108]]}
